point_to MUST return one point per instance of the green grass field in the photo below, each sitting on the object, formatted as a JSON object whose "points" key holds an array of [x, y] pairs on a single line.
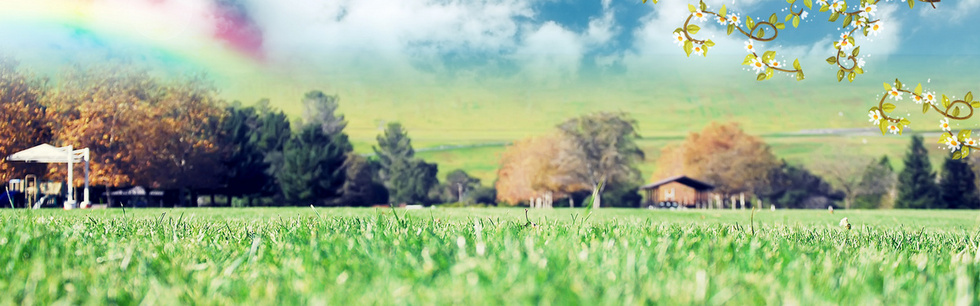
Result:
{"points": [[487, 256]]}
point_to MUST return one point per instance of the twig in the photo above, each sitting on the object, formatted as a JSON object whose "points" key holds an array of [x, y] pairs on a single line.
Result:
{"points": [[9, 198]]}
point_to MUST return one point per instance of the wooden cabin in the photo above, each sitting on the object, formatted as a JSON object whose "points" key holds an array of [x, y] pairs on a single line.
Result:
{"points": [[677, 191]]}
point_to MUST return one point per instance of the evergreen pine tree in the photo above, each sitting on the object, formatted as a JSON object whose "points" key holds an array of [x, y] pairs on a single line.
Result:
{"points": [[274, 132], [956, 188], [394, 147], [916, 183], [245, 167], [312, 170]]}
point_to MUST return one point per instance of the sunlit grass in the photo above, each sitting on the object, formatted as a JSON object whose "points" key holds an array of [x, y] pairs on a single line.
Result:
{"points": [[487, 256]]}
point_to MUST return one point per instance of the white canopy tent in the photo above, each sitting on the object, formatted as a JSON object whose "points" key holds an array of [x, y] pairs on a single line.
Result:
{"points": [[46, 153]]}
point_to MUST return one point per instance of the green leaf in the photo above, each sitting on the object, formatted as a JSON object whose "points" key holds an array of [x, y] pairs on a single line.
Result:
{"points": [[850, 76], [945, 101], [966, 151], [856, 51], [840, 75], [796, 64], [788, 17], [796, 21], [723, 11], [859, 70], [808, 3], [768, 56], [905, 121], [918, 89], [708, 43], [956, 155], [968, 97], [762, 32], [799, 75], [731, 27], [760, 77], [749, 22], [693, 29], [963, 134], [883, 126], [925, 108], [975, 104], [887, 87], [773, 19], [769, 72], [704, 7], [833, 60], [898, 84], [847, 21], [833, 17], [943, 138], [824, 8], [911, 3], [688, 47], [748, 59], [780, 26], [873, 108], [956, 112], [690, 7], [888, 107]]}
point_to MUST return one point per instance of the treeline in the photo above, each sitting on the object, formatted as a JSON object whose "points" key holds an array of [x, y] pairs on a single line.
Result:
{"points": [[178, 135]]}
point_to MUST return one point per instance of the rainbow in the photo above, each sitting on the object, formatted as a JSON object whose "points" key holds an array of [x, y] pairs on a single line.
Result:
{"points": [[220, 38]]}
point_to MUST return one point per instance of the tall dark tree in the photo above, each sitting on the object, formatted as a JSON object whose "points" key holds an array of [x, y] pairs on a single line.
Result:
{"points": [[796, 187], [956, 188], [312, 170], [273, 133], [917, 182], [412, 181], [320, 110], [599, 148], [245, 166], [459, 184], [394, 147], [361, 186]]}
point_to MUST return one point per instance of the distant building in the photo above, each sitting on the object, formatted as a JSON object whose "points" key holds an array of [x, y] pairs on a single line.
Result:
{"points": [[677, 191]]}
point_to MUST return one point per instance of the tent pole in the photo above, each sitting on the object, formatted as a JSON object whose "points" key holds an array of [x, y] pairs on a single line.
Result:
{"points": [[85, 201], [71, 189]]}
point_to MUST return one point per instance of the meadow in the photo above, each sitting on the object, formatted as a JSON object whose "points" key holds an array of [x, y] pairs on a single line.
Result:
{"points": [[487, 256]]}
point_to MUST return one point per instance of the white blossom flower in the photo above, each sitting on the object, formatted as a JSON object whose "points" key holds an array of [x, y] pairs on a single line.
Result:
{"points": [[679, 38], [822, 2], [734, 19], [929, 97], [970, 142], [917, 99], [895, 94], [721, 20], [875, 28], [838, 6], [774, 64], [944, 124], [875, 117], [860, 22], [860, 62], [952, 144], [868, 9], [804, 14], [699, 15], [698, 49], [750, 46], [893, 129], [758, 65], [843, 43]]}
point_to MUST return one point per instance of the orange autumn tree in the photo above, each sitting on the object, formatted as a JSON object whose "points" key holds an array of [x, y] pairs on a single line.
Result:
{"points": [[141, 130], [527, 170], [723, 155], [23, 123]]}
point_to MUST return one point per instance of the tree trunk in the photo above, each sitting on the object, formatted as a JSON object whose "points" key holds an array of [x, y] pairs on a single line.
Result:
{"points": [[597, 200]]}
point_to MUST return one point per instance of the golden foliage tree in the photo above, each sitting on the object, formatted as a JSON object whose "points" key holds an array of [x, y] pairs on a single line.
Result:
{"points": [[527, 170], [141, 130], [722, 154], [23, 123]]}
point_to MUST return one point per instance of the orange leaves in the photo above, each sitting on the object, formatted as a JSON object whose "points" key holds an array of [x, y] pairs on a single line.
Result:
{"points": [[523, 166]]}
